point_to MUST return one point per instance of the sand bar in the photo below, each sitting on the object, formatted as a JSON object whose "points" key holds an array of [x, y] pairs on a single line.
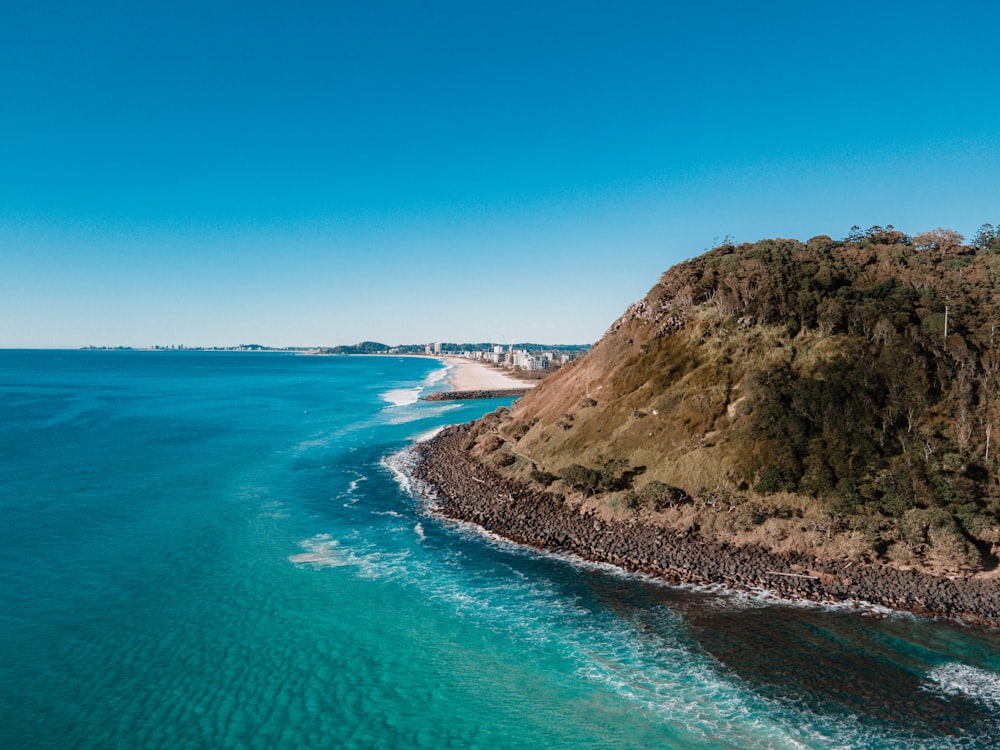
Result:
{"points": [[471, 375]]}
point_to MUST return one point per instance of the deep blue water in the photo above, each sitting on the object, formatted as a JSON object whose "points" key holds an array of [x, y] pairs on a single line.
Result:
{"points": [[221, 550]]}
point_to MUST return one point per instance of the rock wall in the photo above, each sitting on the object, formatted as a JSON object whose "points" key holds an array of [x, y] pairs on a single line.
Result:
{"points": [[471, 395]]}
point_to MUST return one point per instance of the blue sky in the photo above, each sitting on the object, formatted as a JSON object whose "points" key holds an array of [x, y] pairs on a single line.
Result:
{"points": [[315, 173]]}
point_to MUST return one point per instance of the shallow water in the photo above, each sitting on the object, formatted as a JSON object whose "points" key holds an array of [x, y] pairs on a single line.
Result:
{"points": [[222, 550]]}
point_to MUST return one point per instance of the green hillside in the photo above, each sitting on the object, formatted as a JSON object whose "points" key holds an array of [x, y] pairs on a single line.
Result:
{"points": [[832, 397]]}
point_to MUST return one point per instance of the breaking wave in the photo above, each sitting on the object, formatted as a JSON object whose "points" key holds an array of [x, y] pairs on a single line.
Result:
{"points": [[402, 396], [956, 679]]}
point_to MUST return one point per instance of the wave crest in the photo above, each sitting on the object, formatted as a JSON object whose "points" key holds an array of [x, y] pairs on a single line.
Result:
{"points": [[956, 679], [402, 396]]}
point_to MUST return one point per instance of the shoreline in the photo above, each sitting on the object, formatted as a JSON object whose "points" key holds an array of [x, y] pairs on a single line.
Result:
{"points": [[473, 375], [474, 492]]}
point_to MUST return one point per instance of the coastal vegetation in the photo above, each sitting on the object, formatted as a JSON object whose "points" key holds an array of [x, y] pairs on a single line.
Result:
{"points": [[833, 397]]}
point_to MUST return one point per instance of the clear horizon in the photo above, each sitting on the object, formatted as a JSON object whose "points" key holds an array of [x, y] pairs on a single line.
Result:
{"points": [[322, 174]]}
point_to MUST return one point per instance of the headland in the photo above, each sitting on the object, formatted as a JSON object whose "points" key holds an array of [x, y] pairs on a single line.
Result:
{"points": [[814, 419]]}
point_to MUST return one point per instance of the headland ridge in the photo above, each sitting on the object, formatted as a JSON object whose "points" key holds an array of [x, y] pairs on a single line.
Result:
{"points": [[810, 418]]}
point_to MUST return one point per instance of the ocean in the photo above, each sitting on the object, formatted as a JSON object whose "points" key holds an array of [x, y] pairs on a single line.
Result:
{"points": [[225, 550]]}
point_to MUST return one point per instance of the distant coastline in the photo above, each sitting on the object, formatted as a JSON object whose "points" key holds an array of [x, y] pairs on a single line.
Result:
{"points": [[183, 348]]}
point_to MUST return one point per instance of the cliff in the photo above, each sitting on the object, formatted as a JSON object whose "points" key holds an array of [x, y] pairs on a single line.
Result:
{"points": [[835, 399]]}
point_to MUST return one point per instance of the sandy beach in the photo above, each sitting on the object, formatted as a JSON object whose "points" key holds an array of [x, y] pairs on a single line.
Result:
{"points": [[471, 375]]}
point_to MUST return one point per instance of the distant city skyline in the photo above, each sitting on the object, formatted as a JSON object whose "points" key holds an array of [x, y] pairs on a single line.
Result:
{"points": [[432, 348], [317, 174]]}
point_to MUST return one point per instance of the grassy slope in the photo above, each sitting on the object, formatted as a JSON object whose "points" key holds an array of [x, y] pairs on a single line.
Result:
{"points": [[799, 396]]}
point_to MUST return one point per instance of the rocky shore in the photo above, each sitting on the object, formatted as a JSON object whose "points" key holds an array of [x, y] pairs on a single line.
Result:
{"points": [[472, 491], [474, 394]]}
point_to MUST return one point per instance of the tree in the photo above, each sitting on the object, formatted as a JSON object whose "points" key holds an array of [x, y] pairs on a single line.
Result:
{"points": [[829, 315], [887, 235], [987, 237], [938, 239], [582, 478]]}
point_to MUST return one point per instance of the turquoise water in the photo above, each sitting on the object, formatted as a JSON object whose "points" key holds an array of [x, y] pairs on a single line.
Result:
{"points": [[223, 550]]}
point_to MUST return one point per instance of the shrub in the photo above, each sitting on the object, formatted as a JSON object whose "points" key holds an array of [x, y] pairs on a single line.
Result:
{"points": [[492, 443], [849, 499], [632, 500], [518, 431], [504, 459], [750, 515], [543, 477], [661, 496], [582, 478], [774, 479]]}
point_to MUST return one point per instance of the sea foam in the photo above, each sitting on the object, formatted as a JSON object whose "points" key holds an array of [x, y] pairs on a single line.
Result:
{"points": [[402, 396], [437, 376], [955, 679], [322, 551], [403, 416]]}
